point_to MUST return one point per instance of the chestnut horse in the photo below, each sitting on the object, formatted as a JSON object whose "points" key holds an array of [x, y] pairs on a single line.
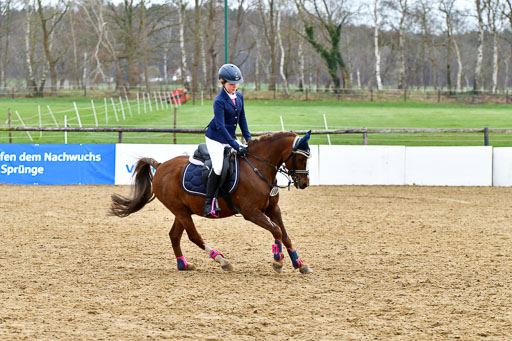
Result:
{"points": [[256, 196]]}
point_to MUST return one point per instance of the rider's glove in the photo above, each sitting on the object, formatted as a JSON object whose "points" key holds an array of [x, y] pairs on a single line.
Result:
{"points": [[242, 150]]}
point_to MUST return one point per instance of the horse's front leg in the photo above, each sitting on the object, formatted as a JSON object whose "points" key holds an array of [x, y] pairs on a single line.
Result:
{"points": [[259, 218], [274, 213]]}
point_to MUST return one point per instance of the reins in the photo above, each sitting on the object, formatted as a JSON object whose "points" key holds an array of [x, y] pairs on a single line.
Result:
{"points": [[257, 171], [289, 174]]}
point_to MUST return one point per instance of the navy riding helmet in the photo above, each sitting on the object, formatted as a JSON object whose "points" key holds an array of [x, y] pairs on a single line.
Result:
{"points": [[231, 73]]}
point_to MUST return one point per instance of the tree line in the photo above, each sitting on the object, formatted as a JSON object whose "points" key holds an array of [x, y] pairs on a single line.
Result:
{"points": [[455, 45]]}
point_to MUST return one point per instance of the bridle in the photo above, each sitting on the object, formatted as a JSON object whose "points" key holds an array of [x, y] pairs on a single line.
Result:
{"points": [[291, 174]]}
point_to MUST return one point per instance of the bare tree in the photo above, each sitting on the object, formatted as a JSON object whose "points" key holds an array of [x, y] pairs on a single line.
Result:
{"points": [[74, 68], [197, 27], [459, 64], [281, 47], [143, 18], [447, 8], [376, 22], [268, 20], [49, 25], [494, 22], [29, 49], [211, 40], [300, 52], [402, 8], [235, 52], [95, 16], [507, 13], [183, 66], [480, 7], [426, 21], [330, 19], [5, 30], [204, 66]]}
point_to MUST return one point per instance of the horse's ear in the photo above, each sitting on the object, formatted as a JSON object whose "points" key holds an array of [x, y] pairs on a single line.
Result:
{"points": [[307, 136], [303, 142]]}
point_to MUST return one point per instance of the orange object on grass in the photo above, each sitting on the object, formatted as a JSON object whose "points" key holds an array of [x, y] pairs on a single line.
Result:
{"points": [[180, 96]]}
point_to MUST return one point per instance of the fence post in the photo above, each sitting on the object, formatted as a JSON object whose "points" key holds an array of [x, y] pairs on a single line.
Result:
{"points": [[506, 97], [175, 119], [40, 120], [12, 93], [120, 136], [405, 94], [106, 109], [77, 115], [306, 94], [365, 138], [138, 104], [486, 136], [53, 116], [193, 98], [9, 119], [438, 96], [371, 94]]}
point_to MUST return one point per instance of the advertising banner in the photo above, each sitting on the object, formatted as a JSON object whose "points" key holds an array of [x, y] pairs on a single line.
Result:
{"points": [[57, 164]]}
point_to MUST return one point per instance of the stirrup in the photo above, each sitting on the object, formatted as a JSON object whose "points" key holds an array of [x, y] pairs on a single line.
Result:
{"points": [[211, 210]]}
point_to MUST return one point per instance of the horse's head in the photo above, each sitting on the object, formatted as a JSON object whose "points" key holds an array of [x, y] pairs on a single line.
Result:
{"points": [[297, 162]]}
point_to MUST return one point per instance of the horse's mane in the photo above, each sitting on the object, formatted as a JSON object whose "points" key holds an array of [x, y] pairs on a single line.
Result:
{"points": [[270, 137]]}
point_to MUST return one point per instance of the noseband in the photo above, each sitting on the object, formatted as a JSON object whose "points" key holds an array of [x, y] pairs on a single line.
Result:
{"points": [[291, 174]]}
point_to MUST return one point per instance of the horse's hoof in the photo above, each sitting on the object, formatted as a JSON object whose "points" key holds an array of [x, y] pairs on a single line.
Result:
{"points": [[278, 266], [227, 267], [304, 269], [190, 267]]}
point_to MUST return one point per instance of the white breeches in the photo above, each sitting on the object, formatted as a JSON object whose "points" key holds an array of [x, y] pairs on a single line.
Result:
{"points": [[216, 150]]}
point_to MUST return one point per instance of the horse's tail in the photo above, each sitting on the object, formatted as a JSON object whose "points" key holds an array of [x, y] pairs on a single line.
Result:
{"points": [[141, 191]]}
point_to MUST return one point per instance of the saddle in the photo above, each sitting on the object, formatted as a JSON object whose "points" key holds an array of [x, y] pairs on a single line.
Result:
{"points": [[195, 174]]}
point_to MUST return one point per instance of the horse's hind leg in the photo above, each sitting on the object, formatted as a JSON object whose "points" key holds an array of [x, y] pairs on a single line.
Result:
{"points": [[196, 238], [274, 213], [175, 234]]}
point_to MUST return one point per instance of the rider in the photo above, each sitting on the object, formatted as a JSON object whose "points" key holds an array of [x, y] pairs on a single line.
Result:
{"points": [[228, 109]]}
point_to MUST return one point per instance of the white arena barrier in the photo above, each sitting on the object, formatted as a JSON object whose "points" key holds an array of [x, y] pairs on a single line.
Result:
{"points": [[502, 166], [127, 156], [361, 165], [448, 166], [365, 165]]}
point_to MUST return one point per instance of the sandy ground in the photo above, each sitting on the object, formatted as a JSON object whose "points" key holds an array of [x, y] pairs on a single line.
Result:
{"points": [[388, 263]]}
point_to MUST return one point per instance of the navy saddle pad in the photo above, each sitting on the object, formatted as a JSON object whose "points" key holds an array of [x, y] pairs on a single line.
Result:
{"points": [[192, 180]]}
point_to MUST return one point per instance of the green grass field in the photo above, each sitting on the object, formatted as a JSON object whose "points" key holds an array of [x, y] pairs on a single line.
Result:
{"points": [[262, 115]]}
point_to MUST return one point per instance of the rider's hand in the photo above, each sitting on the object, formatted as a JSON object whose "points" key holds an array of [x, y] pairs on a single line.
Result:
{"points": [[242, 150]]}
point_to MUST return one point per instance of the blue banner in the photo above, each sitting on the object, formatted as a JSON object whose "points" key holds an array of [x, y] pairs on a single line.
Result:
{"points": [[57, 164]]}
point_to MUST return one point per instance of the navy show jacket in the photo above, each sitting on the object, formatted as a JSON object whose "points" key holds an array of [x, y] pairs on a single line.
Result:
{"points": [[226, 117]]}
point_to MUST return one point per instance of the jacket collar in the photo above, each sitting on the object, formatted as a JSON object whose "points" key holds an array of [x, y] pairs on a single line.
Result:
{"points": [[225, 95]]}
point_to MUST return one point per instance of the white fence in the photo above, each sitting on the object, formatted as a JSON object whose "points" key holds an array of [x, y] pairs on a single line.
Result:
{"points": [[368, 165]]}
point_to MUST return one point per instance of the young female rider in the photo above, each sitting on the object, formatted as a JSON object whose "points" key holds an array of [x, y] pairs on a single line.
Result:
{"points": [[228, 109]]}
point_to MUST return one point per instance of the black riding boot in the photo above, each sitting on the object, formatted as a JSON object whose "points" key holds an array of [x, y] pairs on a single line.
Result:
{"points": [[213, 181]]}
